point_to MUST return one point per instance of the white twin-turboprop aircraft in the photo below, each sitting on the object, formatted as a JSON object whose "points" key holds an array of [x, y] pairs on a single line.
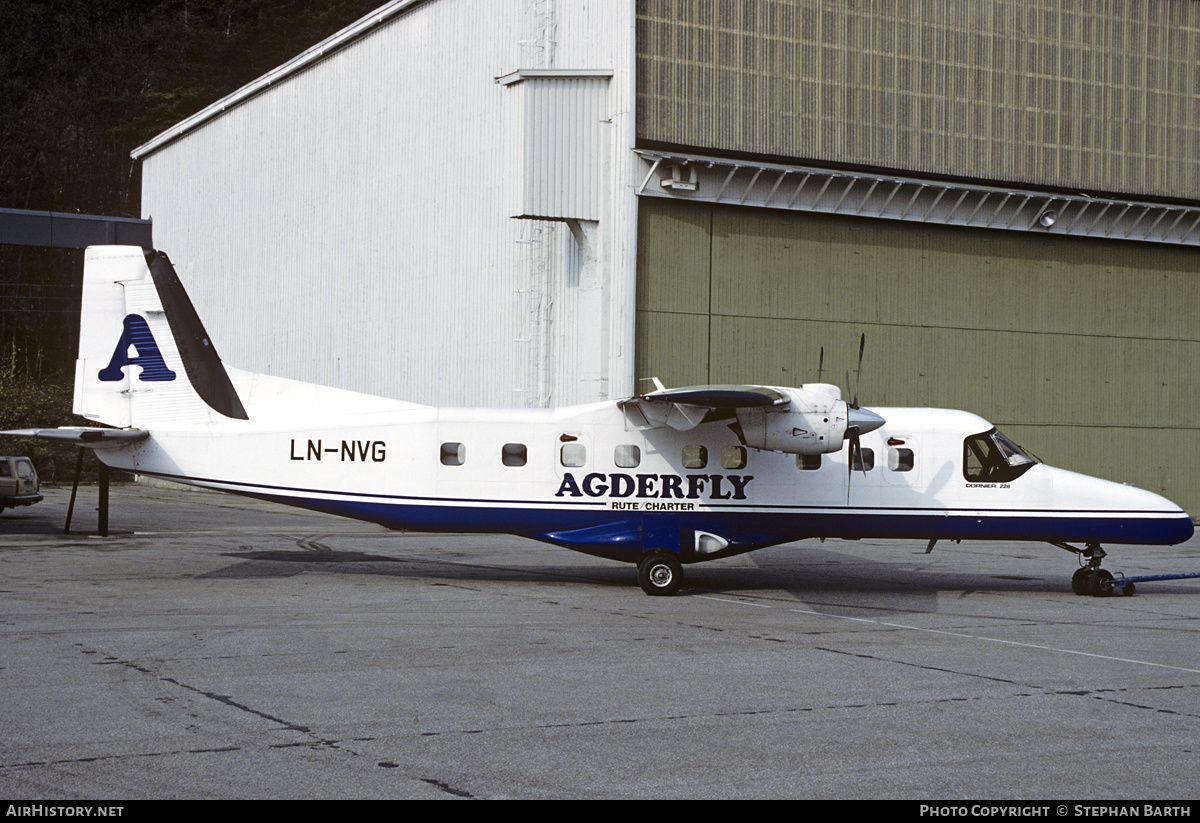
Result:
{"points": [[663, 479]]}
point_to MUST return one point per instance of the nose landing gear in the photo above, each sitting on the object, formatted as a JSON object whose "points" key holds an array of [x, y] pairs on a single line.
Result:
{"points": [[1090, 578], [1094, 581]]}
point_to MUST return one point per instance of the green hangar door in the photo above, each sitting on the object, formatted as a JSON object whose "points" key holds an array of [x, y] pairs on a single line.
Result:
{"points": [[1085, 351]]}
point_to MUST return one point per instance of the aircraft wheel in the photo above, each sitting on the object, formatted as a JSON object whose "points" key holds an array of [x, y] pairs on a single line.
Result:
{"points": [[1079, 581], [1100, 583], [660, 573], [1128, 588]]}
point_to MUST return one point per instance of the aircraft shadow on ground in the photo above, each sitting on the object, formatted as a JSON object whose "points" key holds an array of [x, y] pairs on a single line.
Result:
{"points": [[803, 573]]}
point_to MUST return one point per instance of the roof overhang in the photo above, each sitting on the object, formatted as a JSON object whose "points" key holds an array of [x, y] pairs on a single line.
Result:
{"points": [[700, 178], [552, 74], [58, 230]]}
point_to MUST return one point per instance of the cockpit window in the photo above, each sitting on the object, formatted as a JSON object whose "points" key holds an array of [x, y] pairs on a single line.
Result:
{"points": [[991, 457]]}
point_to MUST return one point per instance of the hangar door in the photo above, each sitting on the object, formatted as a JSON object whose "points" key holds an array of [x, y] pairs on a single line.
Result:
{"points": [[1087, 352]]}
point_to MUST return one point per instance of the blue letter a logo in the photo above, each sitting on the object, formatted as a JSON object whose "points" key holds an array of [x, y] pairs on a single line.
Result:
{"points": [[137, 335]]}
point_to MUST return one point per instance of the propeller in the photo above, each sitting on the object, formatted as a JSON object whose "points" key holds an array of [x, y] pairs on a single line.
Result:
{"points": [[859, 421]]}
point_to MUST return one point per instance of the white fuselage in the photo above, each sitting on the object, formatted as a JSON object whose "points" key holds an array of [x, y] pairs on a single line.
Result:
{"points": [[584, 478]]}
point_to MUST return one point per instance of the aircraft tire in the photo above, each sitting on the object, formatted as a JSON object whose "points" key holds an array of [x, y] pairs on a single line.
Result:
{"points": [[1129, 589], [1079, 581], [660, 573], [1100, 583]]}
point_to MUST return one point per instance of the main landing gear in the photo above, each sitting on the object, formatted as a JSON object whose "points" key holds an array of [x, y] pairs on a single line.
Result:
{"points": [[660, 573], [1090, 578]]}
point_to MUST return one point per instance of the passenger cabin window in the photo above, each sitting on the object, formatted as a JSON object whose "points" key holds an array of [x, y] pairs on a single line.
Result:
{"points": [[453, 454], [808, 462], [695, 457], [863, 460], [991, 457], [627, 457], [733, 457], [900, 460], [513, 454], [572, 455]]}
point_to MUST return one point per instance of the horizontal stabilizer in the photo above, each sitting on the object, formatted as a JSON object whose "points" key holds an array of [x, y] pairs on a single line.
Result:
{"points": [[84, 436]]}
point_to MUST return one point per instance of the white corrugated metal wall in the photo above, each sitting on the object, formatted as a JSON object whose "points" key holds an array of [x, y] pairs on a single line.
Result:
{"points": [[349, 226]]}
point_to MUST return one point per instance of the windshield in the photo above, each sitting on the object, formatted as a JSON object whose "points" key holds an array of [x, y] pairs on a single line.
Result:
{"points": [[990, 457]]}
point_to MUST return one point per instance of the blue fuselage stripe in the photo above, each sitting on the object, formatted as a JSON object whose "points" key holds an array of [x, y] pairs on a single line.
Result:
{"points": [[607, 532]]}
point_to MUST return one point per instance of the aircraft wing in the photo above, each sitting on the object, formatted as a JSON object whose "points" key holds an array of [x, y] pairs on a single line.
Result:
{"points": [[92, 438], [685, 408]]}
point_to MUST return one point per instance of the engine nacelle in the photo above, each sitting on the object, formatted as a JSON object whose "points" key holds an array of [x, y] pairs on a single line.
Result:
{"points": [[814, 421]]}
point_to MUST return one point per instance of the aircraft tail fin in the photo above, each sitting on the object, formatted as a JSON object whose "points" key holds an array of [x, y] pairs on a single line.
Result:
{"points": [[145, 359]]}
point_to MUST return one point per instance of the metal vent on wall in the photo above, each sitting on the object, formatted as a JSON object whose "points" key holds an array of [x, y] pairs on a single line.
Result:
{"points": [[557, 129], [801, 188]]}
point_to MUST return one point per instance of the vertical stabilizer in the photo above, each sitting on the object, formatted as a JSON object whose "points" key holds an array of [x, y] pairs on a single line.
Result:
{"points": [[144, 357]]}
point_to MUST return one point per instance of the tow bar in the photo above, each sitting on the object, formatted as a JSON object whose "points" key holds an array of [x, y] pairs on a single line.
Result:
{"points": [[1126, 584]]}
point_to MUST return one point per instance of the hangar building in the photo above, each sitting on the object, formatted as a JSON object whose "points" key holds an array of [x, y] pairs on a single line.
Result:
{"points": [[541, 202]]}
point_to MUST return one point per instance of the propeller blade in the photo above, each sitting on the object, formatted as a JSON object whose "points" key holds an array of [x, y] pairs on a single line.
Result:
{"points": [[850, 466], [855, 454], [862, 344], [821, 364], [858, 452]]}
